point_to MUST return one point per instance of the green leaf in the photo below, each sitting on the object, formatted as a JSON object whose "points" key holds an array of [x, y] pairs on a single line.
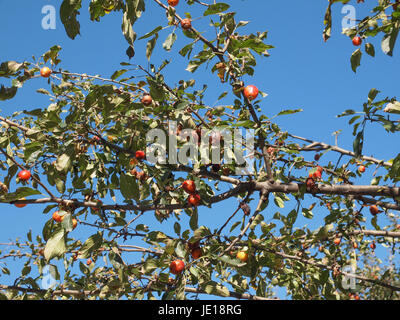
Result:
{"points": [[286, 112], [216, 8], [307, 213], [20, 193], [128, 187], [55, 246], [149, 34], [93, 243], [127, 30], [7, 93], [177, 228], [150, 46], [118, 73], [169, 42], [231, 261], [9, 68], [355, 59], [194, 220], [68, 11], [180, 250], [358, 144], [389, 40], [63, 163], [370, 49], [372, 95]]}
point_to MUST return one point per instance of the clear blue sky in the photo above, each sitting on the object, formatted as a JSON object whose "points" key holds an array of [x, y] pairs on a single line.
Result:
{"points": [[302, 72]]}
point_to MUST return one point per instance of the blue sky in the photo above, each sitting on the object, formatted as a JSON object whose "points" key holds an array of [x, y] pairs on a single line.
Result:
{"points": [[302, 72]]}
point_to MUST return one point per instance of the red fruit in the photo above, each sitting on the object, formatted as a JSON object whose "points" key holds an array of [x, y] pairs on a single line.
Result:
{"points": [[45, 72], [361, 169], [74, 223], [357, 41], [21, 205], [189, 186], [355, 245], [372, 246], [173, 3], [186, 24], [57, 217], [317, 157], [337, 241], [89, 262], [317, 174], [140, 155], [374, 210], [24, 175], [196, 253], [147, 100], [176, 266], [194, 199], [250, 92], [320, 169]]}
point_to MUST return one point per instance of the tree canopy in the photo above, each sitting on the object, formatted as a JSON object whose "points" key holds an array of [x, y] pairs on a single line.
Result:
{"points": [[87, 156]]}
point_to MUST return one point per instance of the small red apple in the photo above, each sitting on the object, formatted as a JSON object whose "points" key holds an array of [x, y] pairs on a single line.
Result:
{"points": [[189, 186], [186, 24], [140, 155], [250, 92], [177, 266], [357, 41], [374, 210], [196, 253], [194, 199], [147, 100], [24, 175], [173, 3]]}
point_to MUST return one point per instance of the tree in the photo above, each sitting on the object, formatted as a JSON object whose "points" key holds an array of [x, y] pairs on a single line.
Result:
{"points": [[88, 146]]}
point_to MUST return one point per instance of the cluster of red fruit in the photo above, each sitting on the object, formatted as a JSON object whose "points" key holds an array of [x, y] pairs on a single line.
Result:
{"points": [[354, 296], [317, 174], [59, 218], [194, 198], [140, 175], [186, 23]]}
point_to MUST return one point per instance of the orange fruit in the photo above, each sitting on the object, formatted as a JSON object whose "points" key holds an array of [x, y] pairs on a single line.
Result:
{"points": [[57, 217], [243, 256], [20, 205], [45, 72]]}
